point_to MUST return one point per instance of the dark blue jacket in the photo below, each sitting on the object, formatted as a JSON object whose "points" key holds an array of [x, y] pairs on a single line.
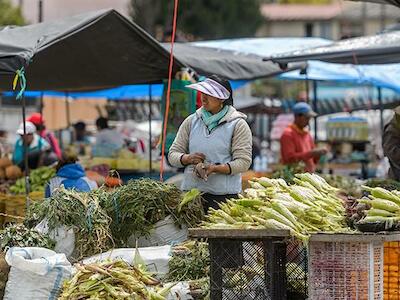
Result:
{"points": [[72, 177]]}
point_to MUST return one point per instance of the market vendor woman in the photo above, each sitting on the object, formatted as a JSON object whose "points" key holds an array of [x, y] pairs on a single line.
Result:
{"points": [[214, 144]]}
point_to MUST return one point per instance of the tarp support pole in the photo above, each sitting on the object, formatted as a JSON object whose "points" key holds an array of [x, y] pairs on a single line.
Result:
{"points": [[380, 108], [150, 132], [68, 115], [314, 105], [41, 104], [25, 147]]}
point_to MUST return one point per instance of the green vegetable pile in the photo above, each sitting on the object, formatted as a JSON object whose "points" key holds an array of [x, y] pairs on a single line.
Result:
{"points": [[387, 184], [346, 184], [309, 205], [80, 211], [38, 180], [189, 261], [287, 172], [138, 205], [380, 206], [112, 280], [17, 235]]}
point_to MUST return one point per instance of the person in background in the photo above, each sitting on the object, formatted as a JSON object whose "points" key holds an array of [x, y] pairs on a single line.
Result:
{"points": [[296, 141], [38, 120], [81, 137], [5, 147], [36, 146], [108, 141], [391, 144], [71, 175], [213, 145]]}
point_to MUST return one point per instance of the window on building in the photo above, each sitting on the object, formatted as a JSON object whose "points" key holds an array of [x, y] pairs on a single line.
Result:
{"points": [[326, 30], [309, 28]]}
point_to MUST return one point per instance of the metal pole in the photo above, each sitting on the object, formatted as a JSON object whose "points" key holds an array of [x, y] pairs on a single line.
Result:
{"points": [[40, 12], [150, 131], [383, 16], [25, 148], [381, 108], [315, 99], [41, 104], [68, 115]]}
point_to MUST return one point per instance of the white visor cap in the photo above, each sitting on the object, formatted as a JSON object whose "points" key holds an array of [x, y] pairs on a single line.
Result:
{"points": [[29, 126], [212, 88]]}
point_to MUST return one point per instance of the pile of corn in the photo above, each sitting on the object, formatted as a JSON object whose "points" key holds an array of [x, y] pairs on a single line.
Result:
{"points": [[384, 205], [112, 280], [309, 205]]}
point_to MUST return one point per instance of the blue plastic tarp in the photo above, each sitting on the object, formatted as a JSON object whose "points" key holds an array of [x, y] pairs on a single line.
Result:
{"points": [[141, 91], [385, 76]]}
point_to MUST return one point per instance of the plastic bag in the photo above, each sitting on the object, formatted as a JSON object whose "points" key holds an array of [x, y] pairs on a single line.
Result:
{"points": [[64, 237], [36, 273], [165, 232]]}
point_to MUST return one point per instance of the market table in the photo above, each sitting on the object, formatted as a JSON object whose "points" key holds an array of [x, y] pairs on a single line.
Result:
{"points": [[234, 253]]}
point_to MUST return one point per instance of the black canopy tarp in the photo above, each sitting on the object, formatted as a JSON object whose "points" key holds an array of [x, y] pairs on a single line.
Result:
{"points": [[376, 49], [90, 51], [233, 65], [104, 49], [392, 2]]}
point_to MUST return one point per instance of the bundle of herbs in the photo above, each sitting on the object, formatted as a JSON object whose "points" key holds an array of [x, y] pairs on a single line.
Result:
{"points": [[189, 261], [79, 211], [17, 235], [137, 206]]}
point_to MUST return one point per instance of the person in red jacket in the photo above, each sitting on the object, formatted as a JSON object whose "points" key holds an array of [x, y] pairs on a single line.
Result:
{"points": [[296, 142], [38, 121]]}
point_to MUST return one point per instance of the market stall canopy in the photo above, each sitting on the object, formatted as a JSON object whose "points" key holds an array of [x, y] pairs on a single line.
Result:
{"points": [[89, 51], [103, 49], [385, 76], [376, 49], [342, 97], [231, 64], [265, 46], [392, 2]]}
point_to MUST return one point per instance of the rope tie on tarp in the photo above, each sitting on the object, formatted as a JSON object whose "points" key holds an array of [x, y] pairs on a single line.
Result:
{"points": [[20, 77]]}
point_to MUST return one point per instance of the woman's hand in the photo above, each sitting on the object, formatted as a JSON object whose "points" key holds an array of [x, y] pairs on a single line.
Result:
{"points": [[193, 159]]}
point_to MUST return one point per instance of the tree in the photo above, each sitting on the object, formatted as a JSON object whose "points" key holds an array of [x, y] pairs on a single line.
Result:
{"points": [[206, 19], [10, 15]]}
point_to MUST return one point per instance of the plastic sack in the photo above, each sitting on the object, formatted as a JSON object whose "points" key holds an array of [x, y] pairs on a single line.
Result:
{"points": [[36, 273], [155, 258], [165, 232], [180, 291], [64, 237]]}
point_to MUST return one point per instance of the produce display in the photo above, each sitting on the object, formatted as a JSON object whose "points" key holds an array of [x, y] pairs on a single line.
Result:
{"points": [[381, 207], [17, 235], [189, 261], [112, 280], [309, 205], [287, 172], [138, 205], [38, 179], [387, 184], [80, 211], [347, 185]]}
